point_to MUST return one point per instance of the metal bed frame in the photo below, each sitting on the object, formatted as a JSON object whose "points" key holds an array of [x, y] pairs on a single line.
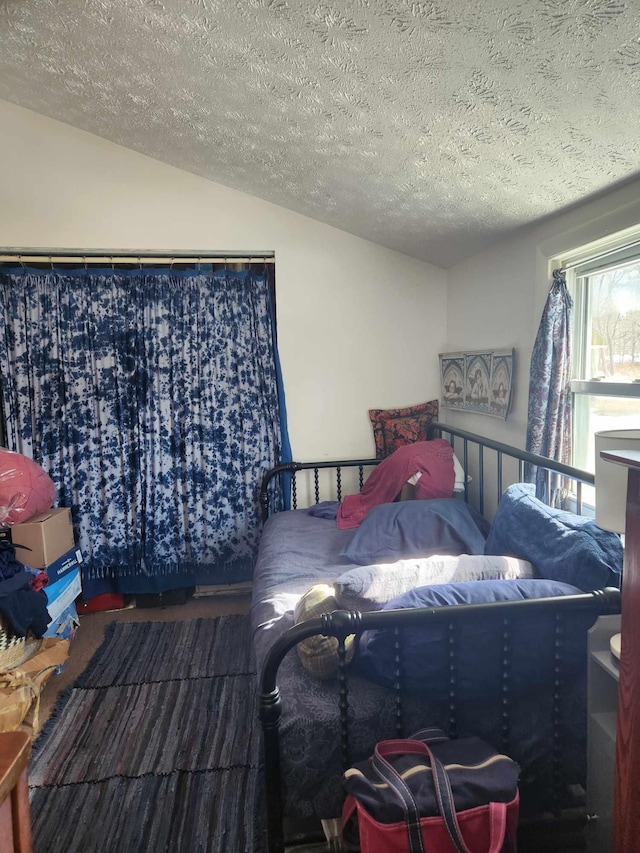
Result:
{"points": [[340, 624]]}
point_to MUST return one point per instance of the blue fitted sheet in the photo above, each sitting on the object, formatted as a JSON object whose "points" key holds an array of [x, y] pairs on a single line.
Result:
{"points": [[298, 550]]}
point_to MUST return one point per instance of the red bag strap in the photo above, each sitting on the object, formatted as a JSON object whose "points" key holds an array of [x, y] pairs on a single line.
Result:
{"points": [[444, 797], [348, 809]]}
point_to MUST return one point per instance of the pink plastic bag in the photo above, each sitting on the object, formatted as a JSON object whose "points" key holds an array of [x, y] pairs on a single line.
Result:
{"points": [[25, 488]]}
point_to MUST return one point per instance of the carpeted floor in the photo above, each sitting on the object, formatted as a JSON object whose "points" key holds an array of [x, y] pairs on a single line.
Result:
{"points": [[155, 747], [91, 633]]}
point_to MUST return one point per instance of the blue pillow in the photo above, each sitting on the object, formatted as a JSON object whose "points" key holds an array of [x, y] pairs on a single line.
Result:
{"points": [[562, 546], [399, 531], [479, 644]]}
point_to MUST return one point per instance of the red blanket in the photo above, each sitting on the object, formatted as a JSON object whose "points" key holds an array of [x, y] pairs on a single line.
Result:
{"points": [[432, 459]]}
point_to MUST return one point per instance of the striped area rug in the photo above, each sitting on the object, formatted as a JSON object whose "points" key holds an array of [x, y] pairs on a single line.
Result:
{"points": [[155, 747]]}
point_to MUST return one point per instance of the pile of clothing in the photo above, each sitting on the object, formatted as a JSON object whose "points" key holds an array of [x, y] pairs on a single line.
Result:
{"points": [[23, 611], [427, 465], [23, 601]]}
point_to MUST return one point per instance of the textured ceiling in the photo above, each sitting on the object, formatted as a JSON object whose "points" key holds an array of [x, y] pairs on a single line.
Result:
{"points": [[435, 127]]}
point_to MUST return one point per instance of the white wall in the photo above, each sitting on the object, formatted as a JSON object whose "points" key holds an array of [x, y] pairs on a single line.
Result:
{"points": [[359, 326], [496, 298]]}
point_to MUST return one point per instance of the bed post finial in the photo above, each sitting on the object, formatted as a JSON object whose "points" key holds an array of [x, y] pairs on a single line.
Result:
{"points": [[341, 623]]}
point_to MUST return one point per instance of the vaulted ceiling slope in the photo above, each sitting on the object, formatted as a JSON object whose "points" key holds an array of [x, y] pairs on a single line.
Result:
{"points": [[434, 127]]}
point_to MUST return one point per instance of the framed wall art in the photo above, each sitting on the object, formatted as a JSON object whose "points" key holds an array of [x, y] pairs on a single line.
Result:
{"points": [[478, 381]]}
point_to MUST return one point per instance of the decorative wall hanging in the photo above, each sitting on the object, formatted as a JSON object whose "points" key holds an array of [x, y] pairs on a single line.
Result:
{"points": [[478, 381]]}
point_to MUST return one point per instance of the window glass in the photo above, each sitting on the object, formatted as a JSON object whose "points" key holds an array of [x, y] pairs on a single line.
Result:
{"points": [[613, 337], [606, 352]]}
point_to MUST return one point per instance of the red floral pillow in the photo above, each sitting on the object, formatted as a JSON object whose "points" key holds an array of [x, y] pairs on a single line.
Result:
{"points": [[395, 427]]}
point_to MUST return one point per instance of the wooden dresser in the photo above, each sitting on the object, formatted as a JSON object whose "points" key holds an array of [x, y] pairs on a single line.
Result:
{"points": [[15, 825], [626, 812]]}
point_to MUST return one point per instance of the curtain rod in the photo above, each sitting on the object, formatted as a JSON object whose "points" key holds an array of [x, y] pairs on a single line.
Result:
{"points": [[599, 255], [130, 256]]}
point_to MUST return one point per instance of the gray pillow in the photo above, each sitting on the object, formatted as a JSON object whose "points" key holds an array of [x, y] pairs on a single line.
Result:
{"points": [[371, 587], [403, 530]]}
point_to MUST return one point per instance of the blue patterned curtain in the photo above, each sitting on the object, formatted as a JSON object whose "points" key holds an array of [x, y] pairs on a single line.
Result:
{"points": [[151, 398], [549, 423]]}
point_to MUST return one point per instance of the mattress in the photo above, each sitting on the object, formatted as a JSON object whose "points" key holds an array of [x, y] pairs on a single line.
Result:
{"points": [[298, 550]]}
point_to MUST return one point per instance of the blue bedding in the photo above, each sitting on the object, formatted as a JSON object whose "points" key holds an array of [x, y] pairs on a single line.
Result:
{"points": [[298, 550], [399, 531], [426, 647], [561, 545]]}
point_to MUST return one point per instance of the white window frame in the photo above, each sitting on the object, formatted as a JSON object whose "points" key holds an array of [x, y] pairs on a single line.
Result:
{"points": [[578, 269]]}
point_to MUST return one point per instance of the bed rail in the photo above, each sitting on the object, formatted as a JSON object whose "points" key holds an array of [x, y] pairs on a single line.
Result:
{"points": [[341, 624], [279, 487], [524, 461], [269, 502]]}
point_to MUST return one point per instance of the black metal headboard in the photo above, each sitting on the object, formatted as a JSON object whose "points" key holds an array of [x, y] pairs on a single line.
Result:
{"points": [[490, 465], [477, 452]]}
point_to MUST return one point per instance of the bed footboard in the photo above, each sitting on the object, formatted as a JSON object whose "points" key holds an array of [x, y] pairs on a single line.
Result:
{"points": [[502, 616]]}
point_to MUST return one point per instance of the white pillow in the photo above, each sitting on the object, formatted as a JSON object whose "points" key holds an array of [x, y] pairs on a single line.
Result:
{"points": [[371, 587]]}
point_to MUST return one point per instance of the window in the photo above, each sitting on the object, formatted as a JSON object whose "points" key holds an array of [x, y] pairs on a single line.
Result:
{"points": [[606, 347]]}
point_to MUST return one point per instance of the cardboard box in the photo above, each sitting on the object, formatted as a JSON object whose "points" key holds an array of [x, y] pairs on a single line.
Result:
{"points": [[64, 626], [63, 565], [47, 535], [62, 593], [61, 604]]}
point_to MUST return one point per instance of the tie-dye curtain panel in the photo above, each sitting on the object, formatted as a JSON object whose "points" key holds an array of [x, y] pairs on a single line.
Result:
{"points": [[549, 423], [151, 398]]}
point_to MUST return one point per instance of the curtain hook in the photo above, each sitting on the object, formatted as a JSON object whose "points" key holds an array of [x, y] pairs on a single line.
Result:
{"points": [[51, 261], [199, 262], [84, 258], [21, 262]]}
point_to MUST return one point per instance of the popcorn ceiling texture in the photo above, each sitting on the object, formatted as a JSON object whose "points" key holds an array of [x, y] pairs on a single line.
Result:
{"points": [[435, 128]]}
